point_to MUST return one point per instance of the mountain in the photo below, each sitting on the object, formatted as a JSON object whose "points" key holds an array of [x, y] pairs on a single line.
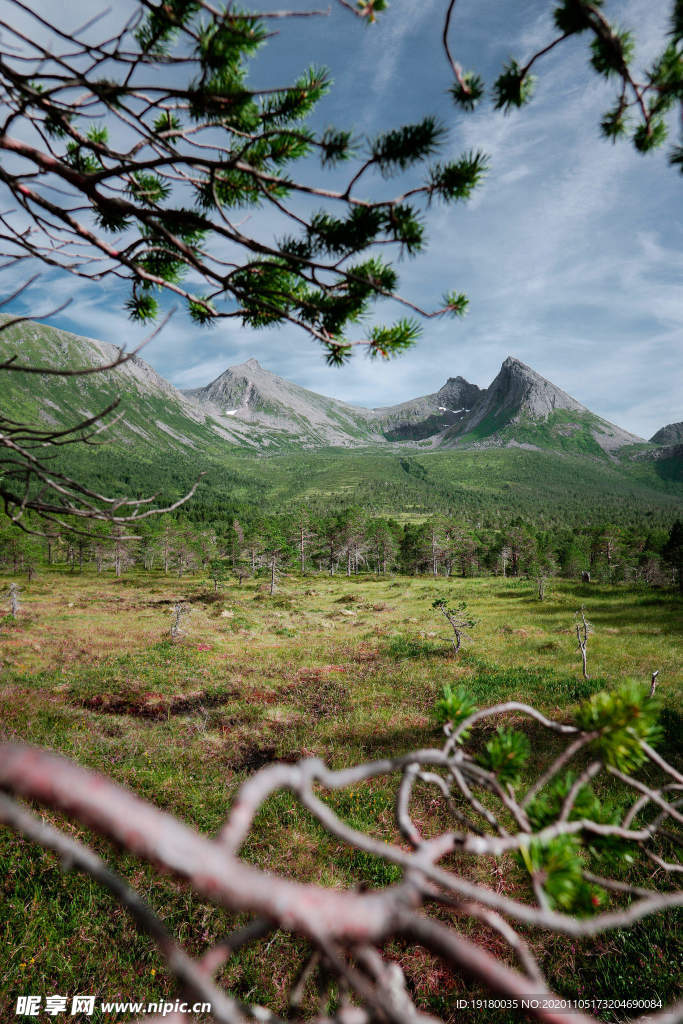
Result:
{"points": [[276, 409], [248, 407], [520, 446], [519, 408], [672, 433], [153, 415], [428, 416], [253, 395], [152, 412]]}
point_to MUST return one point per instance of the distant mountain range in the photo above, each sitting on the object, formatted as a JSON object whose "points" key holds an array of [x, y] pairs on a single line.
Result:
{"points": [[249, 407], [519, 408], [521, 446]]}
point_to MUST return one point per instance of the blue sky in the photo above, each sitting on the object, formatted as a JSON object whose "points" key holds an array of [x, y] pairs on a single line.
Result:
{"points": [[571, 253]]}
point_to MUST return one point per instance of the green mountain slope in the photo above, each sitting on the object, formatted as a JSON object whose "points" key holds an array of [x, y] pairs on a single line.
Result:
{"points": [[152, 416], [493, 484]]}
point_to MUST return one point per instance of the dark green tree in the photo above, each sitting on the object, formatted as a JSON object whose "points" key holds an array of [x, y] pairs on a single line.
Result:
{"points": [[672, 552], [218, 572], [276, 552]]}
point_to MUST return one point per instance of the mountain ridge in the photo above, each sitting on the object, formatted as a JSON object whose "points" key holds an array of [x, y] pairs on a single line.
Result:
{"points": [[249, 407], [249, 393], [330, 452], [459, 412]]}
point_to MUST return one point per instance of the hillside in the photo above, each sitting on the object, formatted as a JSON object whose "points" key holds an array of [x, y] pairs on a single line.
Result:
{"points": [[154, 416]]}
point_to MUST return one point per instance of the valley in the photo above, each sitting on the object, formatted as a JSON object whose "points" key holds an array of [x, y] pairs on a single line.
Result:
{"points": [[363, 706]]}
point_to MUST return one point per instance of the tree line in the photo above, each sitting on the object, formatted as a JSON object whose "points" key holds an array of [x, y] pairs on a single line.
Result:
{"points": [[350, 541]]}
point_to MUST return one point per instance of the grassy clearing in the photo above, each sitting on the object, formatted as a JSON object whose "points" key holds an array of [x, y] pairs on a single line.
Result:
{"points": [[342, 669]]}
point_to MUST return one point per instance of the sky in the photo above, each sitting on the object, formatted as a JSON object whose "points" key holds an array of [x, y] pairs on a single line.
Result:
{"points": [[571, 253]]}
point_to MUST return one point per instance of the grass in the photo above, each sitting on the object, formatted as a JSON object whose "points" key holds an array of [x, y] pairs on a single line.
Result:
{"points": [[342, 669]]}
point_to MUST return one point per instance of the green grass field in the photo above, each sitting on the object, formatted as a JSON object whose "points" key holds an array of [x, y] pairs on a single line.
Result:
{"points": [[345, 669]]}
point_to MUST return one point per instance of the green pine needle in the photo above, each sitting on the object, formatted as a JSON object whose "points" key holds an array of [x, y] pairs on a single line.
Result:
{"points": [[455, 303], [573, 15], [622, 717], [466, 94], [458, 179], [453, 706], [404, 146], [512, 88], [390, 341], [612, 52], [505, 755], [650, 136], [142, 307]]}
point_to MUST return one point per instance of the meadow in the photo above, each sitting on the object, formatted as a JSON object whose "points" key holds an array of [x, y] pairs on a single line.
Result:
{"points": [[346, 669]]}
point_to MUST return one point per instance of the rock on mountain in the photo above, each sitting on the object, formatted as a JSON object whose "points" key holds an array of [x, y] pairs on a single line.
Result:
{"points": [[672, 433]]}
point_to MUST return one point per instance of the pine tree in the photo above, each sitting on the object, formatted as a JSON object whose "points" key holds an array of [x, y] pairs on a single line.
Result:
{"points": [[672, 552]]}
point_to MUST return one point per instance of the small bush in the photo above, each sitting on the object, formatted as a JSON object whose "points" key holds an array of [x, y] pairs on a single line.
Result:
{"points": [[370, 870], [207, 597]]}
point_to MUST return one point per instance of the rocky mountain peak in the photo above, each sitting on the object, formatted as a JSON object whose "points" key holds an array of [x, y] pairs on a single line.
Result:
{"points": [[518, 387], [517, 398], [252, 407], [458, 395], [672, 433], [514, 367], [516, 392], [237, 387]]}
